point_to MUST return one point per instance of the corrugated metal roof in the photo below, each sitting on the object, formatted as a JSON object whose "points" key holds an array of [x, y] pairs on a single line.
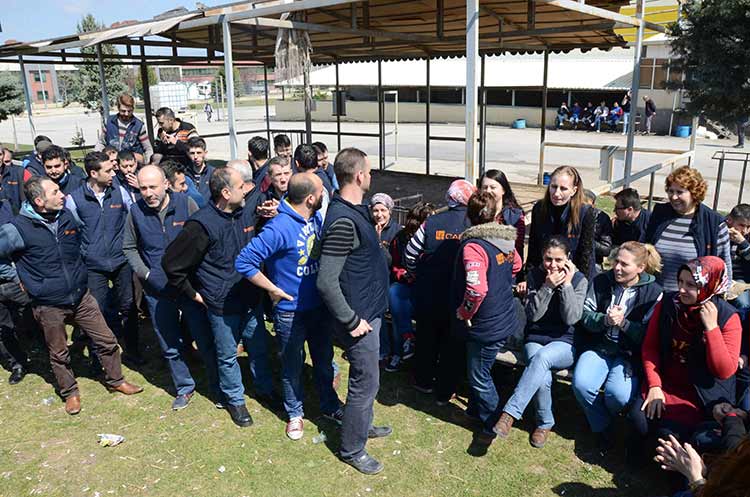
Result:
{"points": [[575, 70], [358, 31]]}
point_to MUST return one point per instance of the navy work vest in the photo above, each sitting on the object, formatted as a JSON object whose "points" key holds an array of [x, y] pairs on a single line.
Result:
{"points": [[51, 267], [11, 186], [130, 141], [326, 181], [102, 229], [201, 181], [704, 227], [442, 235], [711, 390], [153, 237], [364, 279], [551, 327], [224, 290], [496, 318]]}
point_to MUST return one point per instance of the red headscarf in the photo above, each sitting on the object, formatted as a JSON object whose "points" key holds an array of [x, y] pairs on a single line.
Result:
{"points": [[710, 276]]}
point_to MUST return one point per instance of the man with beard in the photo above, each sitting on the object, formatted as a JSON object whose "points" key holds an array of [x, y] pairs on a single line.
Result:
{"points": [[199, 262], [56, 169], [288, 246], [127, 170], [124, 131], [353, 284], [101, 206]]}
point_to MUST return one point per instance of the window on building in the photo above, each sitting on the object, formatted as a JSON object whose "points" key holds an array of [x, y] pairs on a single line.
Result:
{"points": [[529, 98], [499, 97], [41, 95], [661, 69], [646, 79], [39, 77]]}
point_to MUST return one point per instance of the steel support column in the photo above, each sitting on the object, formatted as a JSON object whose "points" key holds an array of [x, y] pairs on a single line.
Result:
{"points": [[308, 104], [338, 108], [482, 119], [381, 118], [105, 97], [268, 113], [147, 101], [472, 78], [229, 80], [634, 84], [427, 120], [543, 131], [27, 95]]}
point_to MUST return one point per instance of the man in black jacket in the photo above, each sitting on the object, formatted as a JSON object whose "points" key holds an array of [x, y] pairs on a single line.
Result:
{"points": [[602, 230]]}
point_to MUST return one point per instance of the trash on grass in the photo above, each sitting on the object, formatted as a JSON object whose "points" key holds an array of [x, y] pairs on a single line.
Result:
{"points": [[320, 438], [222, 469], [110, 440], [48, 401]]}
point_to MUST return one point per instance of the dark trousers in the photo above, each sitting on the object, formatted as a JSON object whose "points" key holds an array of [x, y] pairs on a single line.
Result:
{"points": [[87, 316], [116, 303], [364, 382], [440, 356], [13, 301]]}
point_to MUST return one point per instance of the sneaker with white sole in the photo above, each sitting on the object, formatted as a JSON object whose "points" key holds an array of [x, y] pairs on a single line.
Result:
{"points": [[393, 365], [409, 348], [294, 428]]}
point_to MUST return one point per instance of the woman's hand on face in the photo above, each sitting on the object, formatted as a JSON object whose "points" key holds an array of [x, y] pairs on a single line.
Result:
{"points": [[709, 316], [554, 279], [654, 403], [569, 271]]}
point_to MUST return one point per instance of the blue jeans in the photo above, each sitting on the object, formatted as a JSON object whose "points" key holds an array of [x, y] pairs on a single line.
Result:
{"points": [[292, 329], [480, 357], [165, 318], [625, 122], [536, 380], [742, 303], [400, 301], [228, 330], [615, 374], [598, 122]]}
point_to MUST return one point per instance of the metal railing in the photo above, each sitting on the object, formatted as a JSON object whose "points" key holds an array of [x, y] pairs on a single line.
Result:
{"points": [[728, 155]]}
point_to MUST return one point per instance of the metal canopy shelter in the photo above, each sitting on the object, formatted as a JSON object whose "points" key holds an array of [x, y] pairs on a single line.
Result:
{"points": [[351, 31]]}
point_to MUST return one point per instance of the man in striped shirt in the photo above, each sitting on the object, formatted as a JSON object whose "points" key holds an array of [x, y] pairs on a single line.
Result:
{"points": [[173, 136], [124, 131]]}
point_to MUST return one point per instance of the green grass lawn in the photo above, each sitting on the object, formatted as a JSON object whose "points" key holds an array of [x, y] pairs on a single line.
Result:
{"points": [[43, 451]]}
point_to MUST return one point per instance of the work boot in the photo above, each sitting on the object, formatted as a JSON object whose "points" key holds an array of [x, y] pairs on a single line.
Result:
{"points": [[73, 405], [126, 388], [503, 425]]}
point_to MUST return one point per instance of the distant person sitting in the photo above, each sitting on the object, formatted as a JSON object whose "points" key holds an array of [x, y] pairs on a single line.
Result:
{"points": [[588, 114], [630, 219], [614, 116], [172, 138], [575, 114], [601, 113], [563, 113]]}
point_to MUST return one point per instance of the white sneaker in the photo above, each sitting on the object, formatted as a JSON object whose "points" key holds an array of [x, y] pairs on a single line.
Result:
{"points": [[393, 364], [294, 428], [409, 348]]}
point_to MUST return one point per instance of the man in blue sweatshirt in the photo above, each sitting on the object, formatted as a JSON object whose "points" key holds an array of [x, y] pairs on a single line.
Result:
{"points": [[289, 247]]}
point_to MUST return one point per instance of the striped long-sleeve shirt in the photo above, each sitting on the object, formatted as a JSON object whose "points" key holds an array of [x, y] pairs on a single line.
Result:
{"points": [[740, 252], [414, 251], [676, 247]]}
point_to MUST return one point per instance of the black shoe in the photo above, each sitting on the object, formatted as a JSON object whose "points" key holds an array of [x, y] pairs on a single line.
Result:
{"points": [[16, 376], [379, 431], [365, 464], [239, 415]]}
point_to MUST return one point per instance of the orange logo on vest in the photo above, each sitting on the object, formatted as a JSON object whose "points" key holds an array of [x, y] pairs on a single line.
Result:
{"points": [[248, 229]]}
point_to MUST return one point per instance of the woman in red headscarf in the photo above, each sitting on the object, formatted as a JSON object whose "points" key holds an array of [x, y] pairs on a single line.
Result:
{"points": [[690, 352]]}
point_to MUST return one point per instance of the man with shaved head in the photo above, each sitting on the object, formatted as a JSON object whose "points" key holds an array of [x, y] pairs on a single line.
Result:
{"points": [[153, 222], [288, 245]]}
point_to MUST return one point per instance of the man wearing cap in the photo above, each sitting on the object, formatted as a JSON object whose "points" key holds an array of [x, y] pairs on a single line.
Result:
{"points": [[429, 259]]}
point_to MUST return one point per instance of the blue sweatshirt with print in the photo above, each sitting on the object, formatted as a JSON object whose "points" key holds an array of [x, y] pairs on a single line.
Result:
{"points": [[288, 247]]}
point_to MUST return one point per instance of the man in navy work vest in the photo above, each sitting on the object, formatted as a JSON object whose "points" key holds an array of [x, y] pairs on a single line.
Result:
{"points": [[44, 241], [353, 283], [11, 180], [200, 264], [199, 171], [55, 169], [125, 132], [101, 207], [153, 222]]}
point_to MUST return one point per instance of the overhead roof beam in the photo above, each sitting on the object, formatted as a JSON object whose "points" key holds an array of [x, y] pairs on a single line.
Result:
{"points": [[264, 12], [604, 14]]}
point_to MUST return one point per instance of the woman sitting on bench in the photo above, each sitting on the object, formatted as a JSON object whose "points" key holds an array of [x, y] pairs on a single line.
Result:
{"points": [[554, 304], [615, 316]]}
